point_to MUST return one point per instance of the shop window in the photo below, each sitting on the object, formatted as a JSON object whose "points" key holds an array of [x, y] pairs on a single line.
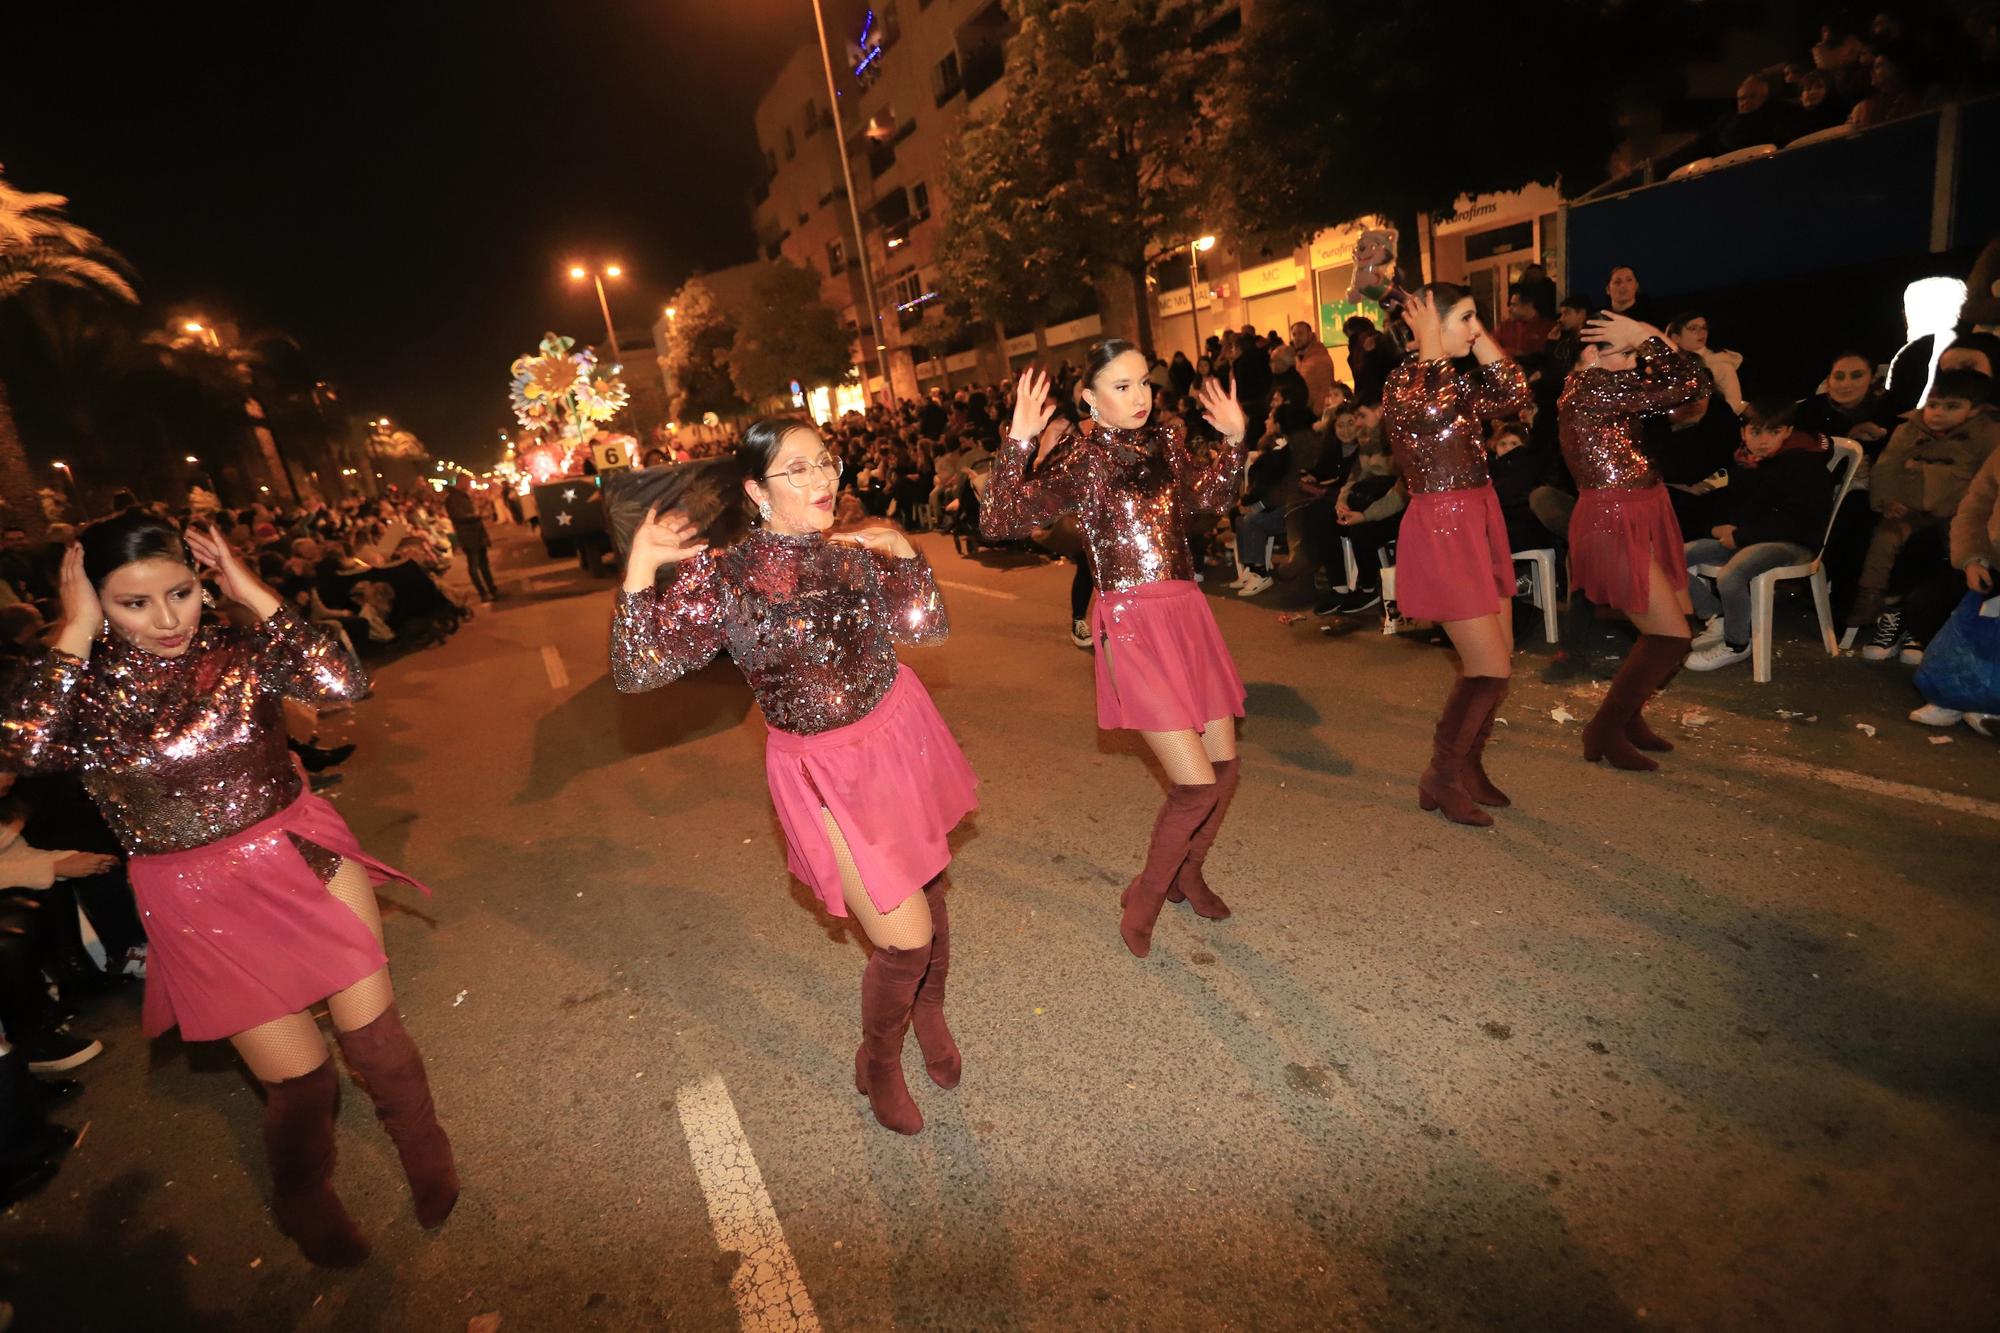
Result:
{"points": [[1499, 241]]}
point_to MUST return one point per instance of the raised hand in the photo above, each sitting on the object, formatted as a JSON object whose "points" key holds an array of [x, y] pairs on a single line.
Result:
{"points": [[237, 583], [1618, 332], [663, 539], [881, 540], [79, 599], [1032, 408], [1220, 409]]}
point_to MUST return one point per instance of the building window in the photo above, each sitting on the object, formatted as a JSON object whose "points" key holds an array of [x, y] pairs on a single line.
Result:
{"points": [[791, 145], [920, 201], [836, 257], [908, 288], [945, 82], [812, 117], [771, 161]]}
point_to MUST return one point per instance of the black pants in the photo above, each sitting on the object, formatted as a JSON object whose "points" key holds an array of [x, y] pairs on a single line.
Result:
{"points": [[1368, 539], [1930, 603], [481, 571], [24, 999], [1080, 588]]}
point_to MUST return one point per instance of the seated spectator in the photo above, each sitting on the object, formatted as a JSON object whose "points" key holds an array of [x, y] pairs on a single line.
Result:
{"points": [[1271, 492], [1759, 118], [1689, 332], [27, 1013], [1816, 109], [1691, 448], [1915, 487], [1975, 554], [1849, 407], [1517, 468], [1890, 96], [1368, 513], [1773, 513], [1524, 332], [1565, 339]]}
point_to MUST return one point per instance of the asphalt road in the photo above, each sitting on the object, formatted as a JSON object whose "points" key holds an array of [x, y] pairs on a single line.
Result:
{"points": [[1713, 1048]]}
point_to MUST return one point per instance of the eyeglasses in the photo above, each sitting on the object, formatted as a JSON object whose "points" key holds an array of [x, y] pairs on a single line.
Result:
{"points": [[801, 473]]}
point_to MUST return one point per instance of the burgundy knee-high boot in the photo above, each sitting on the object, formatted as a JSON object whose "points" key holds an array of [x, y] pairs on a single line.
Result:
{"points": [[1189, 884], [941, 1058], [888, 991], [1653, 659], [1180, 816], [1641, 735], [1488, 694], [391, 1071], [298, 1141], [1442, 785]]}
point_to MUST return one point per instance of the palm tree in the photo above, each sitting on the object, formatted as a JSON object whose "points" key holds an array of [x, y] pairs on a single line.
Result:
{"points": [[39, 245]]}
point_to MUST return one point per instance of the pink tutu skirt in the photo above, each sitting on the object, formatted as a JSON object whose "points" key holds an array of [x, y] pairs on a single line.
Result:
{"points": [[1614, 534], [896, 784], [1453, 561], [1161, 661], [243, 930]]}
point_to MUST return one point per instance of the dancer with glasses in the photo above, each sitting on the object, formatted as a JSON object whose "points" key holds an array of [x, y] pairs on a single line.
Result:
{"points": [[1162, 667], [866, 778]]}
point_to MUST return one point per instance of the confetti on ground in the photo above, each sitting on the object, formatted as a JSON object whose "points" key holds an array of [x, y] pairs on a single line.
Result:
{"points": [[1561, 714], [258, 1262], [1864, 728], [1940, 740], [1696, 718], [1290, 617], [484, 1323], [459, 998]]}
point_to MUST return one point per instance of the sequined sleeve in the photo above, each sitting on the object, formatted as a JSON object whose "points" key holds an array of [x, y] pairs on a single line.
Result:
{"points": [[1018, 502], [39, 719], [661, 634], [303, 661], [1209, 483], [910, 592], [1496, 389], [1671, 377]]}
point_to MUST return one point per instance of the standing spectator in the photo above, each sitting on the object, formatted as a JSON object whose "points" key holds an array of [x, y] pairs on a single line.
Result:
{"points": [[1314, 364], [1540, 287], [1565, 339], [1690, 333], [932, 417], [1622, 289], [1180, 376], [1370, 358], [470, 529], [1253, 379], [1524, 332], [1774, 513]]}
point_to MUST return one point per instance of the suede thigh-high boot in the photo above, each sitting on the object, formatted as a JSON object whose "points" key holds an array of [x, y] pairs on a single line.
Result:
{"points": [[1488, 692], [888, 991], [1653, 659], [391, 1071], [298, 1141], [1641, 735], [941, 1058], [1180, 816], [1442, 785], [1189, 884]]}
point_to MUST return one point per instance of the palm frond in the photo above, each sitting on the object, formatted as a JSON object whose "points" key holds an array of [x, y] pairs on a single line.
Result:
{"points": [[40, 262]]}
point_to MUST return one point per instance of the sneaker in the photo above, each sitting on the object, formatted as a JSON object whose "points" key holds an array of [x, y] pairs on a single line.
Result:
{"points": [[1937, 715], [1258, 584], [57, 1052], [1711, 633], [1716, 656], [1328, 603], [135, 962], [1079, 633], [1912, 654], [1361, 599], [1887, 636], [1983, 723]]}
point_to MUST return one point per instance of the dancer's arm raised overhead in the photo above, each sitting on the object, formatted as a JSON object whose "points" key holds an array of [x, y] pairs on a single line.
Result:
{"points": [[39, 722], [909, 588], [1211, 483], [1672, 376], [1019, 498], [295, 660], [658, 634]]}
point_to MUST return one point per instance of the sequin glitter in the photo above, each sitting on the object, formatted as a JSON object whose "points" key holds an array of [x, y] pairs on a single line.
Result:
{"points": [[811, 623], [1431, 412], [1599, 414]]}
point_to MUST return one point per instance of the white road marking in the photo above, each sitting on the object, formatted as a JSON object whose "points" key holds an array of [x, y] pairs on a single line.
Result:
{"points": [[1840, 777], [770, 1294], [983, 592], [553, 664]]}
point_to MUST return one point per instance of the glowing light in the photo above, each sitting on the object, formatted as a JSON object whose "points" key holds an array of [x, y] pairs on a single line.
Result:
{"points": [[61, 466], [578, 271], [672, 313], [1930, 310], [613, 271], [1205, 244], [191, 459], [190, 327]]}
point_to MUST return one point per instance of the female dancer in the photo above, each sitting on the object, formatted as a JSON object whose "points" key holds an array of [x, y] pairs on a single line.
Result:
{"points": [[866, 778], [257, 898], [1453, 564], [1162, 668], [1625, 547]]}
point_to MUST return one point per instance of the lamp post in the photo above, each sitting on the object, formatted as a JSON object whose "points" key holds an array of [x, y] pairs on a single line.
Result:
{"points": [[196, 328], [577, 273], [1195, 247], [75, 495], [872, 336]]}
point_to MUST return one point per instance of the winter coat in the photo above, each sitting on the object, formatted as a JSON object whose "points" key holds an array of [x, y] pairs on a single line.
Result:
{"points": [[1975, 528], [1723, 365], [1787, 497], [1930, 473]]}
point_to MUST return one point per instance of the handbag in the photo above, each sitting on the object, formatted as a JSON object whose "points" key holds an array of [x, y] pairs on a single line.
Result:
{"points": [[1961, 667]]}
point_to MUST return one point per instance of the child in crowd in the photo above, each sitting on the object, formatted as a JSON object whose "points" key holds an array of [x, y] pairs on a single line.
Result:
{"points": [[1774, 511], [1517, 468], [1916, 486]]}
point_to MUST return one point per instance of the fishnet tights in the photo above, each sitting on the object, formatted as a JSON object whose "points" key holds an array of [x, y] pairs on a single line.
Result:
{"points": [[1190, 756], [907, 927], [292, 1046]]}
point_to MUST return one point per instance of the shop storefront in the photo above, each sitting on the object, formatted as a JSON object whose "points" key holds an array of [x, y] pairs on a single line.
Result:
{"points": [[1485, 242], [1174, 331], [1332, 258], [1274, 296]]}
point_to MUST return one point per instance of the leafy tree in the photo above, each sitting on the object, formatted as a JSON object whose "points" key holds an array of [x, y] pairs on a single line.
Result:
{"points": [[40, 246], [698, 346], [787, 333], [1086, 167], [1335, 111]]}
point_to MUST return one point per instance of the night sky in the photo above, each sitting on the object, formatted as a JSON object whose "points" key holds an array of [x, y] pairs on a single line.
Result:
{"points": [[401, 186]]}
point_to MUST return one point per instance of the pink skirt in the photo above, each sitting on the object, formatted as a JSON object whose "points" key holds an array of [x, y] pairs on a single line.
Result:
{"points": [[243, 931], [896, 784], [1453, 561], [1161, 661], [1614, 534]]}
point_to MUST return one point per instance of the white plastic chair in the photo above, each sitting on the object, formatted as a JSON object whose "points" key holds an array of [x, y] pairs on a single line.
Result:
{"points": [[1827, 135], [1845, 464], [1541, 590], [1687, 169], [1751, 154]]}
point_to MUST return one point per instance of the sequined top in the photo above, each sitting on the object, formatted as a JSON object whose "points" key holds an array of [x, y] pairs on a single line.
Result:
{"points": [[1599, 411], [179, 752], [1432, 412], [810, 622], [1131, 492]]}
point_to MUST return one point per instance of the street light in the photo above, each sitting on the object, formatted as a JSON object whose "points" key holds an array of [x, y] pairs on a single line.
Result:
{"points": [[202, 331], [1195, 248], [190, 458], [874, 338], [577, 273], [672, 313]]}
